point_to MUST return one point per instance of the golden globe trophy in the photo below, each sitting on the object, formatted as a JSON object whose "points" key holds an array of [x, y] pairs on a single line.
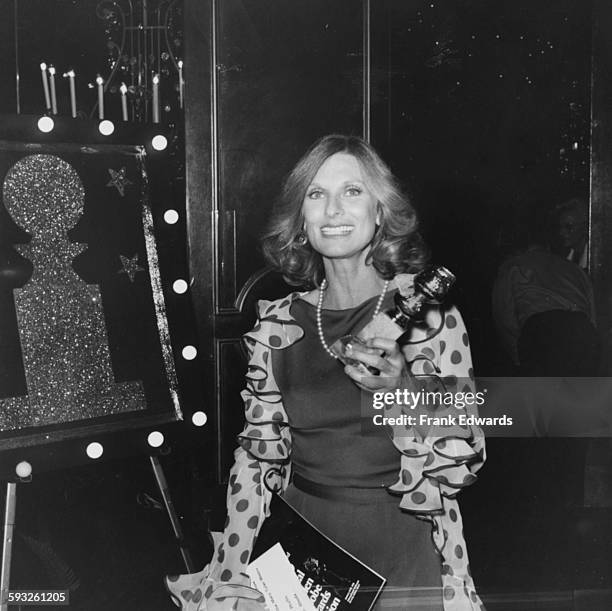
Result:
{"points": [[431, 286]]}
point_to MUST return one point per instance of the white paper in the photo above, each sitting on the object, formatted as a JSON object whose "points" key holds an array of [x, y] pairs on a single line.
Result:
{"points": [[273, 575]]}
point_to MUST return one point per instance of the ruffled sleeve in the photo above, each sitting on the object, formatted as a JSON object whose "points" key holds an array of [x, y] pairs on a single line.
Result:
{"points": [[261, 460], [437, 463]]}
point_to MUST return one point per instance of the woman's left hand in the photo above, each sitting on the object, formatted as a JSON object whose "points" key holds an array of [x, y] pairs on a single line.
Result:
{"points": [[392, 366]]}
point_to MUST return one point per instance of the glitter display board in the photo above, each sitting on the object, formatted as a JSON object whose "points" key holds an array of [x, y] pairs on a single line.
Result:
{"points": [[83, 332]]}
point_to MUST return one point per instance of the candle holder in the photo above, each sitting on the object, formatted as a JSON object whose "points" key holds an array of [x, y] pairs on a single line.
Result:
{"points": [[145, 40]]}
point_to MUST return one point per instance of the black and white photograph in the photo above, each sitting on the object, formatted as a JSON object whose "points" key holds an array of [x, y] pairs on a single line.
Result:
{"points": [[306, 305]]}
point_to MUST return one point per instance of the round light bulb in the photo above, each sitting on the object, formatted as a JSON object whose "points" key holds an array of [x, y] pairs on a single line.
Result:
{"points": [[155, 439], [106, 127], [171, 217], [95, 450], [199, 418], [180, 286], [189, 353], [45, 124], [159, 142], [23, 469]]}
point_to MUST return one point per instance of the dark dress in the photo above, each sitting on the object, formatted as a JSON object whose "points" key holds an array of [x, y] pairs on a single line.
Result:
{"points": [[352, 461]]}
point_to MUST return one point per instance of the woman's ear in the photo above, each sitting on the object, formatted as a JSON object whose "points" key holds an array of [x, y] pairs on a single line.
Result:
{"points": [[378, 216]]}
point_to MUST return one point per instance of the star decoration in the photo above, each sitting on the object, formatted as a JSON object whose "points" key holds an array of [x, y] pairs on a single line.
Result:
{"points": [[130, 266], [118, 180]]}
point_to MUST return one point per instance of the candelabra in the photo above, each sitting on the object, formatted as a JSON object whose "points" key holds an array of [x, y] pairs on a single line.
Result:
{"points": [[145, 41]]}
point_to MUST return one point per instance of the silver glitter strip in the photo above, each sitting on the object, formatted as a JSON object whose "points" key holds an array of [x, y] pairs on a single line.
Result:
{"points": [[156, 287]]}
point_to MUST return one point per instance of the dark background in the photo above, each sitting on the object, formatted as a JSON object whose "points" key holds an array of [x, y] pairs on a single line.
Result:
{"points": [[483, 109]]}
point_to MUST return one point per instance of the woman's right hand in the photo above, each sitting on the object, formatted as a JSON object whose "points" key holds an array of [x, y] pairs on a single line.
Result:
{"points": [[386, 356], [234, 597], [198, 592]]}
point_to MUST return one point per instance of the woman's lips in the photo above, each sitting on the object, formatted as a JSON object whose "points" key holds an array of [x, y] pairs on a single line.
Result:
{"points": [[329, 230]]}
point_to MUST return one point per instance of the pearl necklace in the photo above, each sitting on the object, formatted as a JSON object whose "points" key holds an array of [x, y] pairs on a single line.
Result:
{"points": [[320, 313]]}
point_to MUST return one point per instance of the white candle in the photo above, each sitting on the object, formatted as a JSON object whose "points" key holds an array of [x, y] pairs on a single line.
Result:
{"points": [[123, 90], [156, 98], [70, 74], [43, 73], [181, 83], [100, 82], [52, 85]]}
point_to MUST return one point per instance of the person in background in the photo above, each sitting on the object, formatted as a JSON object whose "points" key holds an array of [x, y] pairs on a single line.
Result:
{"points": [[572, 228], [544, 311]]}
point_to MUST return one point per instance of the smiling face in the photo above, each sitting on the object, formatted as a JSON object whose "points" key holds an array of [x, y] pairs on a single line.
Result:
{"points": [[340, 212]]}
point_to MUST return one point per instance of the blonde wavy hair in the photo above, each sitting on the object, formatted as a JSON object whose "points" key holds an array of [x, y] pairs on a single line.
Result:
{"points": [[396, 246]]}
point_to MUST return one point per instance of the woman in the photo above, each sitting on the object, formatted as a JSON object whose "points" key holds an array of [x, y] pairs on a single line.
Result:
{"points": [[343, 226]]}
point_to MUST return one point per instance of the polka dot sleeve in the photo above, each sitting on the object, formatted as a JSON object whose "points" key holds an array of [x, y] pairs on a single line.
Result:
{"points": [[455, 363], [261, 465], [455, 358], [434, 468], [438, 460]]}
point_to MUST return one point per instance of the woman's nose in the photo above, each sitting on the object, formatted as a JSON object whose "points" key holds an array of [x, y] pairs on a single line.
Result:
{"points": [[334, 206]]}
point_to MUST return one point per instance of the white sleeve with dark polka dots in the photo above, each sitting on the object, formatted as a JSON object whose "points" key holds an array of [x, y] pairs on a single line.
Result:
{"points": [[261, 465], [455, 361], [437, 464], [246, 502], [223, 584]]}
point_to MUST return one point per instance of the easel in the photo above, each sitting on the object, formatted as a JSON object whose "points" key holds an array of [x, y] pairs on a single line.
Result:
{"points": [[7, 546], [9, 527], [39, 217], [176, 525]]}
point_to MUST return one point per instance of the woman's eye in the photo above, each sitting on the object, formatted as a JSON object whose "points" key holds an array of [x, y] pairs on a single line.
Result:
{"points": [[353, 191], [315, 194]]}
